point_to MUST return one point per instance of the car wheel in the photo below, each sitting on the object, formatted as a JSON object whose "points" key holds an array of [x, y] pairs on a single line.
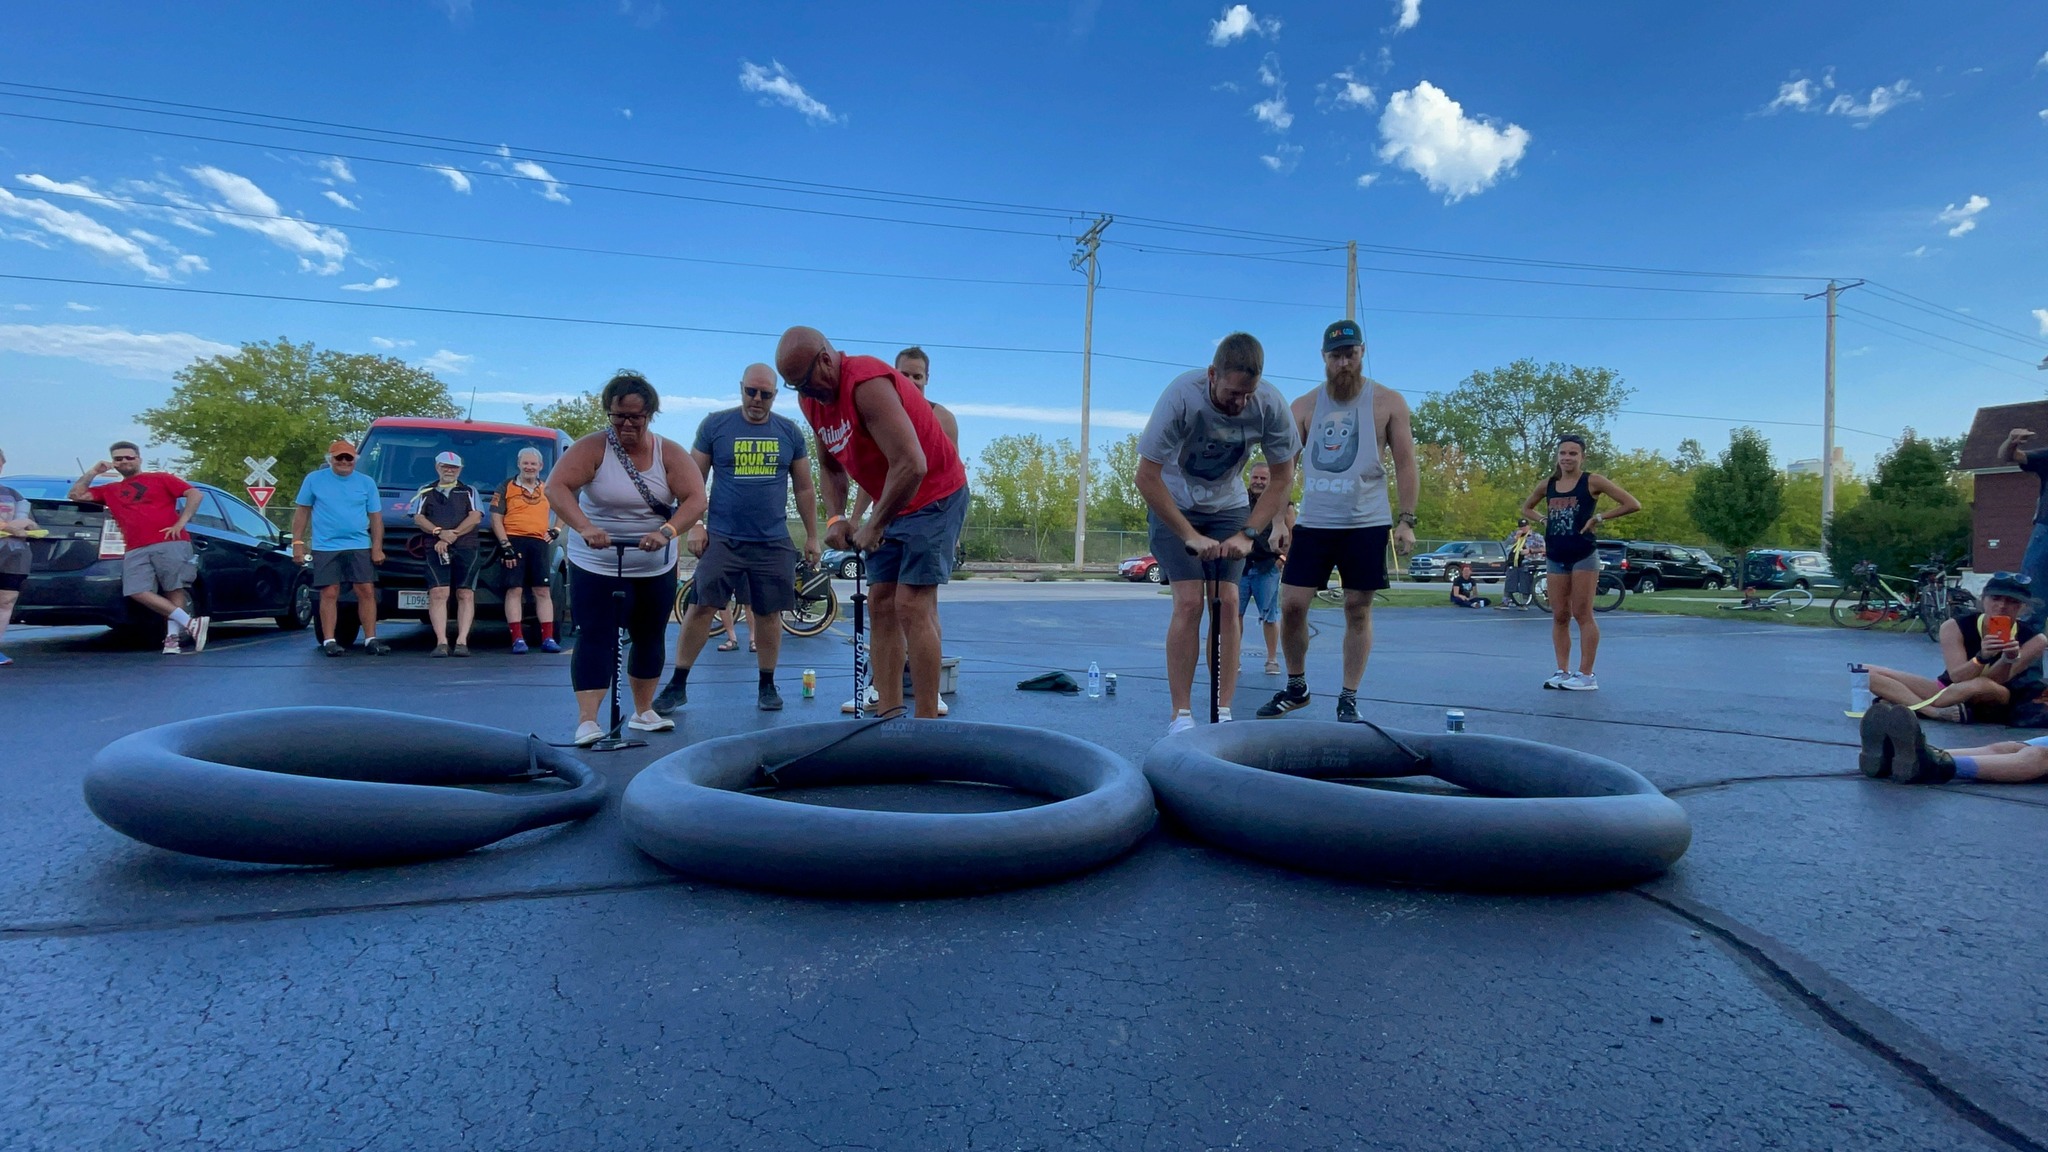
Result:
{"points": [[849, 568], [1711, 585], [1647, 582], [1802, 585], [299, 613], [1154, 575]]}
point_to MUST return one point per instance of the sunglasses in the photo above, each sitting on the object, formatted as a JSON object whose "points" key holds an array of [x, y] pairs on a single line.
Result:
{"points": [[627, 417], [344, 458], [2019, 578], [759, 393], [125, 459]]}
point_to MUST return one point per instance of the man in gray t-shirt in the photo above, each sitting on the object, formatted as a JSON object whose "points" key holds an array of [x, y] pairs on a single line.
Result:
{"points": [[1191, 459], [751, 457]]}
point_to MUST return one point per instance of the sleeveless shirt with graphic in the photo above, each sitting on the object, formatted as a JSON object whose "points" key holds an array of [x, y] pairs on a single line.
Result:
{"points": [[1343, 484], [1565, 539]]}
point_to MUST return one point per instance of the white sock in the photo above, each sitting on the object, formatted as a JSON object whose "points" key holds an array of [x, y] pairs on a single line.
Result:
{"points": [[177, 619]]}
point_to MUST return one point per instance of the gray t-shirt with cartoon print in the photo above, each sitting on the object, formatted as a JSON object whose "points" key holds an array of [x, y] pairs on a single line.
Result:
{"points": [[1201, 451]]}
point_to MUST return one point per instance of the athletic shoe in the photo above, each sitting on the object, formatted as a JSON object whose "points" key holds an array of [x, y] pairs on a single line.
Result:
{"points": [[1557, 679], [1581, 682], [173, 646], [588, 733], [769, 700], [519, 647], [1183, 721], [1223, 716], [1272, 667], [334, 648], [459, 650], [548, 645], [376, 647], [1347, 709], [1888, 732], [5, 660], [1283, 702], [651, 721], [673, 696], [196, 629], [942, 706], [874, 699], [440, 652]]}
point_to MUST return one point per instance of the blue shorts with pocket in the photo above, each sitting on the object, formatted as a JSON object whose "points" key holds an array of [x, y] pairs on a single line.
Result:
{"points": [[918, 549]]}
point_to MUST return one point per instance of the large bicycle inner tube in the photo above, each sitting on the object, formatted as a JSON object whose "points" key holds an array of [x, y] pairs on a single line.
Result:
{"points": [[1532, 817], [333, 786], [707, 810]]}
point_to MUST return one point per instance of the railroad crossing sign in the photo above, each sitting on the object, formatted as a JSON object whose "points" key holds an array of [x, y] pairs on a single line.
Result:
{"points": [[259, 471]]}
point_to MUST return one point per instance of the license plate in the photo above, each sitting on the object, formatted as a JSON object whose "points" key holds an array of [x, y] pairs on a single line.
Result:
{"points": [[412, 601]]}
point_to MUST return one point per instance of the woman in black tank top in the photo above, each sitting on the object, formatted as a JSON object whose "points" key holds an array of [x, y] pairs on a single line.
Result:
{"points": [[1568, 502]]}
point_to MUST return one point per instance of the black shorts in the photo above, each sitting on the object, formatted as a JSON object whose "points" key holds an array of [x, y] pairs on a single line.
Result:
{"points": [[458, 572], [760, 574], [1358, 554], [12, 581], [531, 571], [343, 566]]}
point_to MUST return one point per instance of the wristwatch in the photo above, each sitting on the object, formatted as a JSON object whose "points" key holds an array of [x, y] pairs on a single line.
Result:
{"points": [[1407, 518]]}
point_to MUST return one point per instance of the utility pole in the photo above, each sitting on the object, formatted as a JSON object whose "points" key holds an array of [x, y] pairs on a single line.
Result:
{"points": [[1084, 256], [1351, 283], [1827, 436]]}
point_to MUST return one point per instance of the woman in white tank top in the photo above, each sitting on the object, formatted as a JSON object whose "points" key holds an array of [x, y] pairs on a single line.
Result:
{"points": [[626, 494]]}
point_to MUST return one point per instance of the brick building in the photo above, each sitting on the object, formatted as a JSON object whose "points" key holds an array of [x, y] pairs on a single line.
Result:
{"points": [[2002, 514]]}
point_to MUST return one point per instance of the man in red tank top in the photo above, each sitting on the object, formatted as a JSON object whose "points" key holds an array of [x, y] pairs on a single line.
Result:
{"points": [[875, 427]]}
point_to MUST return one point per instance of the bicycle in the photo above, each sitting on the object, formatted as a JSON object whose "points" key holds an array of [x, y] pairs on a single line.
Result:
{"points": [[817, 605], [1607, 594], [1872, 598], [1787, 600], [1941, 597]]}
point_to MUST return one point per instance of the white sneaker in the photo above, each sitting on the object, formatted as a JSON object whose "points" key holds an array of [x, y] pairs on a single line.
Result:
{"points": [[195, 627], [171, 646], [1581, 682], [651, 721], [874, 699], [1183, 721], [1223, 715], [942, 706], [1557, 679], [588, 733]]}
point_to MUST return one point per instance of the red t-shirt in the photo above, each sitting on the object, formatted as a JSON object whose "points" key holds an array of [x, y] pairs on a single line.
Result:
{"points": [[143, 507], [842, 433]]}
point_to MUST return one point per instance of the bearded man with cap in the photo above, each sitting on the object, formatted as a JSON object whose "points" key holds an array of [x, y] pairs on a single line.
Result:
{"points": [[1347, 426], [337, 523], [447, 512]]}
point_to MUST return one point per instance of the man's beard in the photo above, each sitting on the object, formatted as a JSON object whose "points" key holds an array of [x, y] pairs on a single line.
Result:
{"points": [[1344, 383]]}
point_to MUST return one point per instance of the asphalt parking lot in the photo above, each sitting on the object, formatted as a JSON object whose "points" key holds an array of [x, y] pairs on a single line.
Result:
{"points": [[1836, 963]]}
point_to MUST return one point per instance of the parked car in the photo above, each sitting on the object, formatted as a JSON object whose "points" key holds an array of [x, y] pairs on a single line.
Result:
{"points": [[1651, 565], [245, 569], [398, 453], [842, 562], [1145, 568], [1783, 568], [1488, 558]]}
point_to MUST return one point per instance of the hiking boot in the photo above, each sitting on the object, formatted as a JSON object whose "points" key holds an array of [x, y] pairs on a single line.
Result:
{"points": [[1283, 702], [1347, 709], [1887, 731], [770, 700], [1917, 762], [673, 695]]}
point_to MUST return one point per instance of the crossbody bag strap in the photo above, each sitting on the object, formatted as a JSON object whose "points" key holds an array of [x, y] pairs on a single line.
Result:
{"points": [[633, 473]]}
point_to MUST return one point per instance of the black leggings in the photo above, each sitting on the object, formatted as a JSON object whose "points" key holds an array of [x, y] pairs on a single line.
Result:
{"points": [[649, 600]]}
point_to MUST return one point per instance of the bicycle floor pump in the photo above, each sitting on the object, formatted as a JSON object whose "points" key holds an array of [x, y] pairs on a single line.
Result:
{"points": [[614, 739]]}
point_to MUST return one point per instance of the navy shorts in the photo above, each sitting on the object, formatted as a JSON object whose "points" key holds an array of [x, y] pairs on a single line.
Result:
{"points": [[918, 549], [760, 574]]}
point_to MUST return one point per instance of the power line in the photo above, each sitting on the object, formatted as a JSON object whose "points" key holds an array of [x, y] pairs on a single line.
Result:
{"points": [[1939, 336], [1945, 352], [1917, 304], [1429, 311]]}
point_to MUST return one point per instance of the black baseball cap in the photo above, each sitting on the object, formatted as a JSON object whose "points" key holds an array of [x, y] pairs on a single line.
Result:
{"points": [[1343, 334]]}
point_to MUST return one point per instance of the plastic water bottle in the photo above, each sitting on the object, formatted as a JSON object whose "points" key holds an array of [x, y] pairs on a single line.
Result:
{"points": [[1859, 688], [1094, 680]]}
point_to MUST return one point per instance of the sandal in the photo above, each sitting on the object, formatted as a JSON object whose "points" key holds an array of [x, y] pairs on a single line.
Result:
{"points": [[729, 645], [751, 648]]}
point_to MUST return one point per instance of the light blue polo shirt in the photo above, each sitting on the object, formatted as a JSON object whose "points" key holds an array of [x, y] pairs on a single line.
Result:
{"points": [[342, 507]]}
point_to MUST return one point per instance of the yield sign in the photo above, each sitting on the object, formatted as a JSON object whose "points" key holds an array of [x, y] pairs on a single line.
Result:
{"points": [[261, 494]]}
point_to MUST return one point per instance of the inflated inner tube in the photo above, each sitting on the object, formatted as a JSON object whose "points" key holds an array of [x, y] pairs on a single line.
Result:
{"points": [[1537, 817], [693, 810], [335, 786]]}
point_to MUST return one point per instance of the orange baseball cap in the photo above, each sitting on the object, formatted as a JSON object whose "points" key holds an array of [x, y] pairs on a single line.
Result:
{"points": [[340, 447]]}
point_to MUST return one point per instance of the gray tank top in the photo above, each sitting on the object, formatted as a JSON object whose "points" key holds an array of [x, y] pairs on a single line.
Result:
{"points": [[613, 503], [1343, 484]]}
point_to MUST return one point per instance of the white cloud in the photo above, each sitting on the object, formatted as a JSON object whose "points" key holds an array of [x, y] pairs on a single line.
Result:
{"points": [[550, 188], [319, 250], [1882, 100], [1797, 95], [1368, 180], [1352, 92], [1408, 13], [337, 170], [626, 112], [2044, 115], [339, 199], [451, 363], [2041, 314], [80, 229], [24, 307], [1237, 22], [1284, 158], [1272, 111], [80, 189], [457, 10], [155, 353], [1919, 253], [456, 180], [75, 306], [1962, 219], [380, 284], [643, 13], [777, 85], [2042, 62], [387, 342], [1097, 417], [1429, 134]]}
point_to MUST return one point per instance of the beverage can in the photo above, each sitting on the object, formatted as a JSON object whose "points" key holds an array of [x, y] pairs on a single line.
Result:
{"points": [[1454, 720], [1109, 683], [810, 683]]}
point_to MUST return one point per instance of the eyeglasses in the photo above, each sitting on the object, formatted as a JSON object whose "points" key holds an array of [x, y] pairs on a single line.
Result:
{"points": [[805, 381], [628, 417], [344, 458], [125, 459], [759, 393]]}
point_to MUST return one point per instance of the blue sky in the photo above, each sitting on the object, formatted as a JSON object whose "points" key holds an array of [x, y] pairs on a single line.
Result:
{"points": [[1894, 141]]}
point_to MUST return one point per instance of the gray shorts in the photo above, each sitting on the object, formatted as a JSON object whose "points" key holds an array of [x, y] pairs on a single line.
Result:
{"points": [[760, 574], [166, 567], [1588, 564], [918, 549], [15, 558], [1173, 556], [343, 566]]}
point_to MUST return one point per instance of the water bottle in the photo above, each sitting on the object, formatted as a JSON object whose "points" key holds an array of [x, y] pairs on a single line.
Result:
{"points": [[1094, 680], [1859, 689]]}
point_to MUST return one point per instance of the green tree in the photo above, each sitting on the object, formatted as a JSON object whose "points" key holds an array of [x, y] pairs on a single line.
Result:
{"points": [[1736, 499], [1029, 484], [285, 400], [1507, 421], [1665, 490], [578, 415], [1798, 522], [1691, 454], [1913, 511], [1113, 500]]}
